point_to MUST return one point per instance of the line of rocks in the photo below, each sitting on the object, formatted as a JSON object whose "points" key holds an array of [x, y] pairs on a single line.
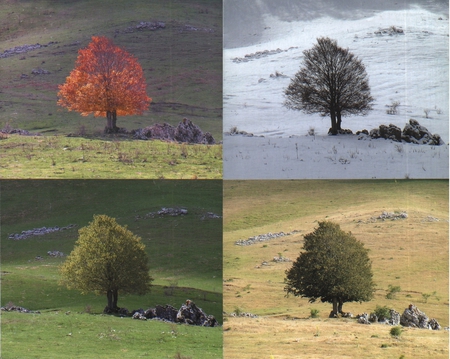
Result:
{"points": [[411, 317], [188, 313], [23, 49], [392, 216], [38, 232], [262, 238], [259, 54], [413, 132], [243, 315], [16, 308], [185, 131], [18, 131]]}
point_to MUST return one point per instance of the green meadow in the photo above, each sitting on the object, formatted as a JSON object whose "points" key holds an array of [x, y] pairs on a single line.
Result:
{"points": [[185, 261]]}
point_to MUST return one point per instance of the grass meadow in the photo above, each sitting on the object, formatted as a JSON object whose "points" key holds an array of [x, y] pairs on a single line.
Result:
{"points": [[410, 253], [93, 158], [185, 261], [182, 65]]}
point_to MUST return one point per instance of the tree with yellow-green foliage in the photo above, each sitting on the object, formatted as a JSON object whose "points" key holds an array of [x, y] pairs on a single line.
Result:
{"points": [[107, 259]]}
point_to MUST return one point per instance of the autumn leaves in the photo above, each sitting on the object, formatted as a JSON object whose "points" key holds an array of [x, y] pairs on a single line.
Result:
{"points": [[106, 81]]}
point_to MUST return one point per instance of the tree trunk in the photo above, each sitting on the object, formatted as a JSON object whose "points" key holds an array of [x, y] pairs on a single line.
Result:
{"points": [[109, 295], [115, 298], [335, 308], [339, 121], [333, 123], [111, 120], [340, 304], [114, 121]]}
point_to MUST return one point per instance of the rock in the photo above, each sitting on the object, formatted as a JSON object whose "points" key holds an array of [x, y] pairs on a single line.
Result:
{"points": [[395, 317], [373, 318], [189, 313], [413, 132], [38, 232], [390, 132], [363, 318], [413, 317], [261, 238], [186, 131], [40, 71]]}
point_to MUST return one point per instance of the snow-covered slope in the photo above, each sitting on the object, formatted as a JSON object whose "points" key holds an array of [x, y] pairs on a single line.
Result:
{"points": [[410, 67]]}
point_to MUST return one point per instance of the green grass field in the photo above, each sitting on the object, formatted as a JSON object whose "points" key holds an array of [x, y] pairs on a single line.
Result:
{"points": [[185, 261], [92, 158], [410, 253], [182, 65]]}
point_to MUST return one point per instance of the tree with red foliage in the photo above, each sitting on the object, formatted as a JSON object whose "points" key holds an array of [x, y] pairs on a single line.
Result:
{"points": [[106, 81]]}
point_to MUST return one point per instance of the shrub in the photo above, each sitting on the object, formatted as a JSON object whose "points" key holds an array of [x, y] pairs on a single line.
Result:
{"points": [[392, 291], [393, 108], [382, 312], [396, 331], [314, 313]]}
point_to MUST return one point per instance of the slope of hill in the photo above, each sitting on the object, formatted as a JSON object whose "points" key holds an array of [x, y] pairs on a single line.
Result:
{"points": [[411, 253], [182, 62], [185, 255]]}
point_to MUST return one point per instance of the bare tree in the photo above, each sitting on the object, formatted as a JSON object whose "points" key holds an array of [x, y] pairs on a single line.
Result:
{"points": [[331, 82]]}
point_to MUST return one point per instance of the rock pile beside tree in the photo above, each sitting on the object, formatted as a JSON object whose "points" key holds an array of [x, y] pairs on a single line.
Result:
{"points": [[188, 313], [413, 132], [186, 131]]}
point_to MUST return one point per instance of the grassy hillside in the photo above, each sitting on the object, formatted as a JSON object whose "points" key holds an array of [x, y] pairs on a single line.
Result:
{"points": [[182, 63], [410, 253], [185, 260]]}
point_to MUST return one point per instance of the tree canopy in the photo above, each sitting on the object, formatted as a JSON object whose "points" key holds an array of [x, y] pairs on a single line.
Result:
{"points": [[332, 82], [106, 81], [333, 267], [107, 259]]}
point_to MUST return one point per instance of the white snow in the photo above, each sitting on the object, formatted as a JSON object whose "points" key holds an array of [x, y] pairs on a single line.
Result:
{"points": [[411, 68]]}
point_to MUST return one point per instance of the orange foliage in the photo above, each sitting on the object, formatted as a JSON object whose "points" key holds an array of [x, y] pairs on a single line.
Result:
{"points": [[106, 79]]}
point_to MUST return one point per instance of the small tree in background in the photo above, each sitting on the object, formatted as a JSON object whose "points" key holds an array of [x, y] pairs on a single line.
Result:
{"points": [[107, 81], [107, 259], [331, 82], [333, 267]]}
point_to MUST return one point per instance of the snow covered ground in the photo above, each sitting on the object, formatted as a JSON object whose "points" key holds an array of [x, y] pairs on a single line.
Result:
{"points": [[409, 67]]}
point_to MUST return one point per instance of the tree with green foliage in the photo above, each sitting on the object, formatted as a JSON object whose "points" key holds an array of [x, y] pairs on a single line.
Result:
{"points": [[333, 266], [107, 259]]}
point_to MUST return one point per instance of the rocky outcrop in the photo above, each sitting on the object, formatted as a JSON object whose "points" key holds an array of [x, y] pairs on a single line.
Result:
{"points": [[413, 132], [23, 49], [413, 317], [188, 313], [186, 131], [16, 308]]}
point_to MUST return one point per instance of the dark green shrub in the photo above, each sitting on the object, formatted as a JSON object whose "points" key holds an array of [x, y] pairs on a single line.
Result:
{"points": [[314, 313], [396, 331], [392, 291], [382, 312]]}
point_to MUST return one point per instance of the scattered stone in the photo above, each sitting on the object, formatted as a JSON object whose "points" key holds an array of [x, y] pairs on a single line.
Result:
{"points": [[210, 215], [391, 31], [259, 54], [40, 71], [172, 212], [14, 308], [261, 238], [392, 216], [18, 131], [55, 254], [281, 259], [23, 49], [38, 232], [244, 314]]}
